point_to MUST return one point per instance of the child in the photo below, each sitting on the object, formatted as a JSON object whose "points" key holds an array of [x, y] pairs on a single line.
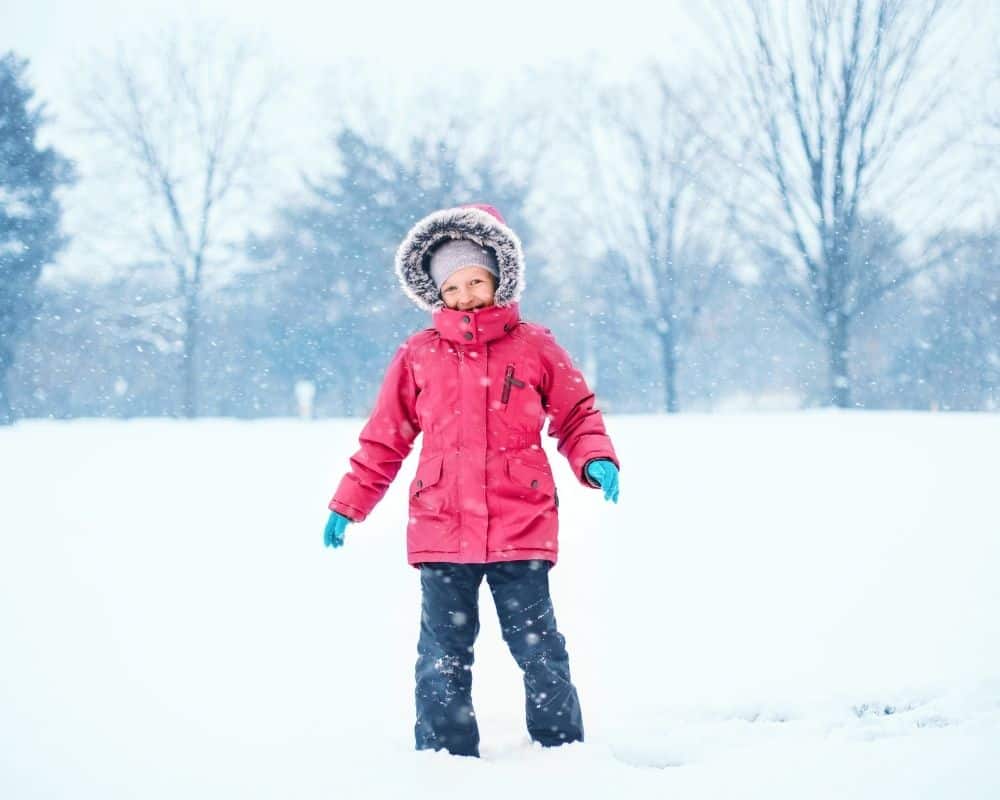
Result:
{"points": [[479, 385]]}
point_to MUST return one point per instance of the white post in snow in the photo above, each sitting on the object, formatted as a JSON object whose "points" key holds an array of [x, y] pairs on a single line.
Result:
{"points": [[305, 393]]}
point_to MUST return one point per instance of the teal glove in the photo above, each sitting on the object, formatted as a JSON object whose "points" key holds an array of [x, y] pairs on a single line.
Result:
{"points": [[333, 536], [605, 472]]}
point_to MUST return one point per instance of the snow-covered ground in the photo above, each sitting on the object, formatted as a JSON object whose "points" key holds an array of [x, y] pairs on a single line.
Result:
{"points": [[780, 606]]}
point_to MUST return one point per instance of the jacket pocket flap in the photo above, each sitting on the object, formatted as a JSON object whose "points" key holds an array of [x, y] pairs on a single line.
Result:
{"points": [[531, 476], [428, 473]]}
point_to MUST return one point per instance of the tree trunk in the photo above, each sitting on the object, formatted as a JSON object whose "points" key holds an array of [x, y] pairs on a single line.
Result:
{"points": [[836, 352], [668, 354], [189, 360], [6, 412]]}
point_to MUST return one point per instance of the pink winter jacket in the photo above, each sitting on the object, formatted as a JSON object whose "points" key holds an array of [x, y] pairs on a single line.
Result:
{"points": [[483, 489], [479, 385]]}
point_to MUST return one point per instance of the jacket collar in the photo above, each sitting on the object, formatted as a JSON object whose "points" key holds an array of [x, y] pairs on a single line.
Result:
{"points": [[478, 326]]}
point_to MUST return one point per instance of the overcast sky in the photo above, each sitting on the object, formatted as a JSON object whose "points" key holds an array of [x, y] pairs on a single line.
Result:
{"points": [[402, 37], [505, 34], [405, 38]]}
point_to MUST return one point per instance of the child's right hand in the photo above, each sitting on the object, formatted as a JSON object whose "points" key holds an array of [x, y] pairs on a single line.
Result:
{"points": [[333, 536]]}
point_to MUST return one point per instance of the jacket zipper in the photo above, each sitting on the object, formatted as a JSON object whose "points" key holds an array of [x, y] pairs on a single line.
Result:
{"points": [[461, 424]]}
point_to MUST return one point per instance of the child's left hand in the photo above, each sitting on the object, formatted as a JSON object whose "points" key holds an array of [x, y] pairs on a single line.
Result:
{"points": [[605, 473], [333, 535]]}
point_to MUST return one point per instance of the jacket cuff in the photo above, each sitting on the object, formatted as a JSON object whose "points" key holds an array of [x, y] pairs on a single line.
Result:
{"points": [[352, 513]]}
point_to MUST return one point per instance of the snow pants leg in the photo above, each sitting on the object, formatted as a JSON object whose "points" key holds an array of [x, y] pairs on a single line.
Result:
{"points": [[449, 624], [528, 622]]}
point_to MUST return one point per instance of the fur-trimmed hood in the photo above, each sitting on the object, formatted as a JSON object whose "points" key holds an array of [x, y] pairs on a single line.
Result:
{"points": [[480, 223]]}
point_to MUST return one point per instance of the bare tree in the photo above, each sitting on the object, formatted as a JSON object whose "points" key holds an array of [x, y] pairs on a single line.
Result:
{"points": [[839, 113], [182, 113], [659, 221], [988, 160]]}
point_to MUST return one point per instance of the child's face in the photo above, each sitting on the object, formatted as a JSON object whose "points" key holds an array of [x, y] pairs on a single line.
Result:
{"points": [[468, 288]]}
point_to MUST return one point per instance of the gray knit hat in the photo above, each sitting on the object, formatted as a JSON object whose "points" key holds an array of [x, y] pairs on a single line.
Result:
{"points": [[453, 254]]}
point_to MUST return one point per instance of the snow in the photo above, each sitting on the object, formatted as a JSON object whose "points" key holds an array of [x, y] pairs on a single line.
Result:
{"points": [[780, 605]]}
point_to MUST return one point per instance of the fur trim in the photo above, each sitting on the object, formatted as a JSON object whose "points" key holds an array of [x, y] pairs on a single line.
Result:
{"points": [[467, 222]]}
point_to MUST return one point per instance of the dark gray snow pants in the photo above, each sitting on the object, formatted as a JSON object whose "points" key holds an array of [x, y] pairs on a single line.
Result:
{"points": [[449, 624]]}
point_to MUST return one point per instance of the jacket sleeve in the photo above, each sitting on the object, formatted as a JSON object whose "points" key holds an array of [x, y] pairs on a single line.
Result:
{"points": [[574, 419], [386, 440]]}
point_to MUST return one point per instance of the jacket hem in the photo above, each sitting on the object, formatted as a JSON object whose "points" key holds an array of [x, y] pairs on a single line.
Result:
{"points": [[492, 556]]}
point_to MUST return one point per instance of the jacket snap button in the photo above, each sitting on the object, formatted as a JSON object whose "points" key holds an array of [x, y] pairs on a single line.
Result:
{"points": [[534, 484], [420, 484], [506, 327], [465, 318], [468, 334]]}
